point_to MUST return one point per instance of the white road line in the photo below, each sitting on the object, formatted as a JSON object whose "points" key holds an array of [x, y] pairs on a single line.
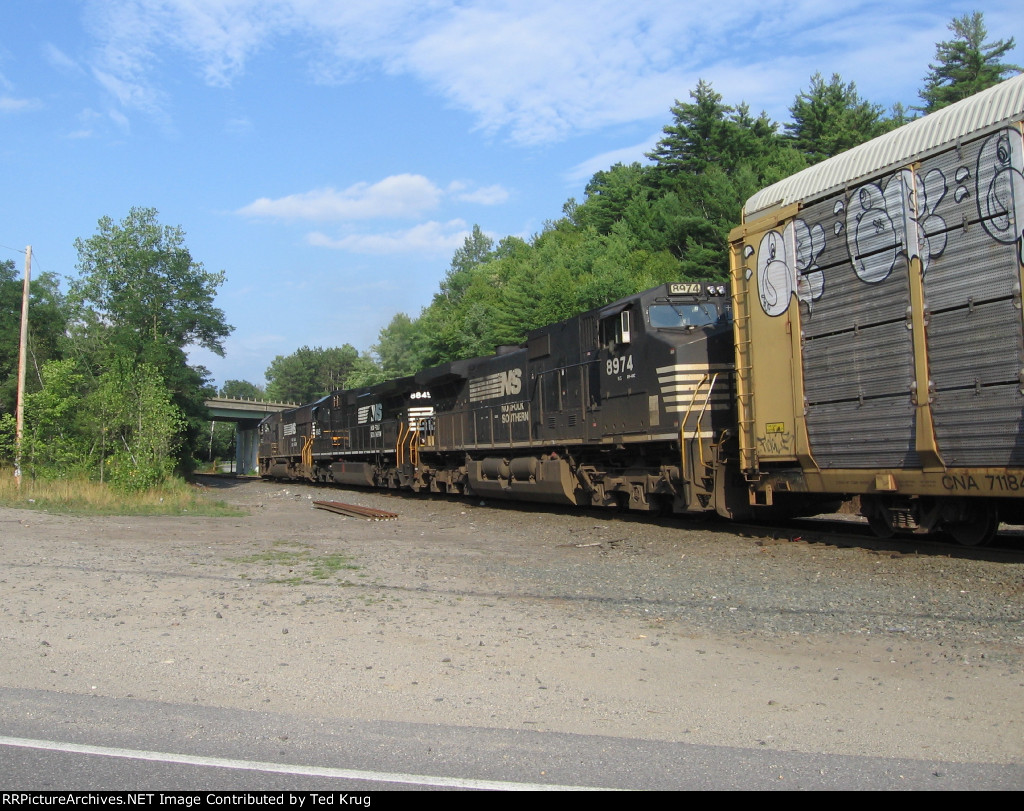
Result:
{"points": [[288, 768]]}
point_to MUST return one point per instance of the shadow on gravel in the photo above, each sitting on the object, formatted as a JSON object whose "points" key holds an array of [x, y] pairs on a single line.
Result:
{"points": [[222, 481]]}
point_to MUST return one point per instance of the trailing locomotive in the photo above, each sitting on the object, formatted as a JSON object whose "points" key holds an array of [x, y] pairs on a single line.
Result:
{"points": [[628, 405], [871, 343]]}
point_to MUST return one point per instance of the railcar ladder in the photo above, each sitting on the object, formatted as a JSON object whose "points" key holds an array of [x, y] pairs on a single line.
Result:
{"points": [[743, 344]]}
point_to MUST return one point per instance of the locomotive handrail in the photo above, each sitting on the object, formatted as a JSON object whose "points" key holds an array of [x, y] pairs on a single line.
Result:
{"points": [[400, 445], [307, 452], [413, 437], [407, 437], [700, 416], [703, 411]]}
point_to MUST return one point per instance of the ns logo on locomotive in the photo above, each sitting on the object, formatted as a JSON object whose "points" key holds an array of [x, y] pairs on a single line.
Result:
{"points": [[870, 343]]}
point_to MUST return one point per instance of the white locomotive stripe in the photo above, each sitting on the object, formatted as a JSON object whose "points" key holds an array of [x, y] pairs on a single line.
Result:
{"points": [[689, 382], [687, 391], [685, 399], [695, 368], [418, 415]]}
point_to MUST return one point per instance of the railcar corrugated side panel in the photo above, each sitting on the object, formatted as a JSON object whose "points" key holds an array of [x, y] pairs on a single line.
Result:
{"points": [[879, 333]]}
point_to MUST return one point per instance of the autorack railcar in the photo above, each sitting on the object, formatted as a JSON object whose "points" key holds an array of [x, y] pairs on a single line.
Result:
{"points": [[878, 324]]}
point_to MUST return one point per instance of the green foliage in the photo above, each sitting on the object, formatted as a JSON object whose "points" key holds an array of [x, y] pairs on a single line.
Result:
{"points": [[613, 195], [365, 372], [221, 438], [965, 64], [241, 390], [140, 289], [829, 118], [398, 348], [123, 405], [136, 425], [308, 374], [55, 443], [139, 299], [711, 158], [47, 319]]}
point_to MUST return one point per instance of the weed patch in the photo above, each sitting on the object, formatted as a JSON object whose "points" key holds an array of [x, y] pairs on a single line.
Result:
{"points": [[301, 564], [82, 496]]}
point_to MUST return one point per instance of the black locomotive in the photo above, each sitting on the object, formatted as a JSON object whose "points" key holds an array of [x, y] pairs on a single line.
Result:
{"points": [[629, 405]]}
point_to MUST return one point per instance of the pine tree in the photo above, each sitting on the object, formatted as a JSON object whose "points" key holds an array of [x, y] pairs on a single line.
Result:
{"points": [[965, 64], [829, 118]]}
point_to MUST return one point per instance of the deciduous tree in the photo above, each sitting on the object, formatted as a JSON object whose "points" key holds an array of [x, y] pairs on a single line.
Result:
{"points": [[241, 389], [135, 425], [47, 320], [141, 298], [307, 374]]}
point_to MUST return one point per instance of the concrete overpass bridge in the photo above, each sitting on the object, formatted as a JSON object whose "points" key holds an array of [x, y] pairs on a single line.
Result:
{"points": [[246, 414]]}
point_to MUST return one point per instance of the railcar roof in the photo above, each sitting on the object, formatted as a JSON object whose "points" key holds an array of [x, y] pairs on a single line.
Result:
{"points": [[972, 116]]}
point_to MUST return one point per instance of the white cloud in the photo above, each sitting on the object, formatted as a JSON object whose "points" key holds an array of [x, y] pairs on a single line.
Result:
{"points": [[484, 195], [120, 119], [9, 104], [239, 125], [537, 70], [396, 196], [627, 155], [60, 60], [405, 196], [428, 237]]}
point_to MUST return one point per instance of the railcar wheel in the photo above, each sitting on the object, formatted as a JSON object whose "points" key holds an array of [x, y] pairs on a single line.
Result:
{"points": [[880, 527], [979, 529]]}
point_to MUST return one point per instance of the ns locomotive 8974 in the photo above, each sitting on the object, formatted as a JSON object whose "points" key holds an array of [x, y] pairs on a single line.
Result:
{"points": [[871, 343], [628, 405]]}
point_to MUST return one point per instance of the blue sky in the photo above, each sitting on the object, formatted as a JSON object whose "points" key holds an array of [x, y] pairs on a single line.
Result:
{"points": [[330, 156]]}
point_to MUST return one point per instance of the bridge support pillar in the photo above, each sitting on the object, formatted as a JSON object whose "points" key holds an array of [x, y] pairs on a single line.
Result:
{"points": [[246, 449]]}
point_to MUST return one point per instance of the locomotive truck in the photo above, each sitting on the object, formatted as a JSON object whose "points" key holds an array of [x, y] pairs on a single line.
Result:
{"points": [[869, 343]]}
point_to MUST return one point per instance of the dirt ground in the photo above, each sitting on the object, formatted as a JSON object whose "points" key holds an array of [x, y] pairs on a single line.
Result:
{"points": [[496, 616]]}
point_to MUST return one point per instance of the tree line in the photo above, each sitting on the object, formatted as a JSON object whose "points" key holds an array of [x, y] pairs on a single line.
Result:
{"points": [[639, 224]]}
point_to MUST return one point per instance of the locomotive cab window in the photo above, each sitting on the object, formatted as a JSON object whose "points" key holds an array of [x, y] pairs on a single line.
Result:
{"points": [[616, 330], [682, 316]]}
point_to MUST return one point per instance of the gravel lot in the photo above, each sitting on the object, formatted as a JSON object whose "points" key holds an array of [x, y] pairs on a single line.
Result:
{"points": [[465, 613]]}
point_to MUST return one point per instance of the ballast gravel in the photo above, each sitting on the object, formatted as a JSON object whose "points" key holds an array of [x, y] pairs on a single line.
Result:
{"points": [[483, 614]]}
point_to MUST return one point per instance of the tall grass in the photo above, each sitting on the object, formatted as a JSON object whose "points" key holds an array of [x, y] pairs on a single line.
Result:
{"points": [[85, 497]]}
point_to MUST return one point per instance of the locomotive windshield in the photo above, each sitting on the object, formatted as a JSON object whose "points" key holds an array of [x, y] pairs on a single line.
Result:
{"points": [[667, 316]]}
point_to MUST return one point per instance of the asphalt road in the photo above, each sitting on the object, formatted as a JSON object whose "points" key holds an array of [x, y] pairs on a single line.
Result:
{"points": [[61, 741]]}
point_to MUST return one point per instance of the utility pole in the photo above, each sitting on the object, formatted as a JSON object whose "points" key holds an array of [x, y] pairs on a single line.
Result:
{"points": [[22, 358]]}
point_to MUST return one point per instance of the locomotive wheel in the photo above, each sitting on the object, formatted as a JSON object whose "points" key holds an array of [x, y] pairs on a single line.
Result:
{"points": [[979, 529]]}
